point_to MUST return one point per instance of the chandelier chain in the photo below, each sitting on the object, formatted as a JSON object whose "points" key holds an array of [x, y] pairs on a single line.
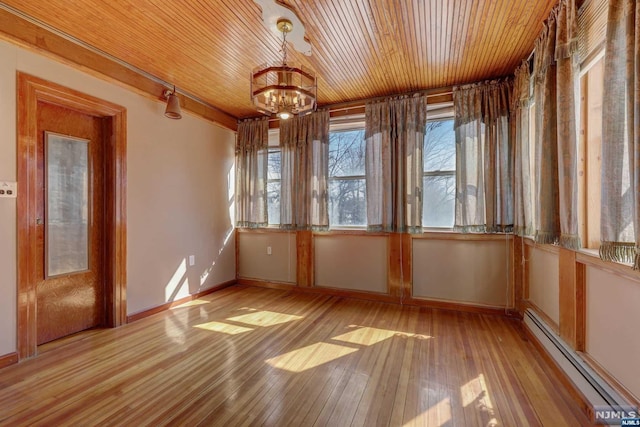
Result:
{"points": [[284, 47]]}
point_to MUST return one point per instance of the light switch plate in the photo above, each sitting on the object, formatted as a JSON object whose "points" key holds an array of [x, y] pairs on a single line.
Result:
{"points": [[8, 189]]}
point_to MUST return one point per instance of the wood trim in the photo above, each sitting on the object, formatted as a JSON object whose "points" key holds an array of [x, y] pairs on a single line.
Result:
{"points": [[399, 267], [526, 273], [433, 235], [354, 232], [613, 382], [32, 90], [395, 286], [583, 169], [266, 230], [237, 251], [618, 269], [8, 359], [547, 248], [166, 306], [559, 373], [305, 258], [440, 235], [511, 271], [458, 306], [372, 296], [434, 96], [29, 35], [283, 286], [357, 107], [581, 307], [407, 265], [572, 302], [591, 122], [518, 274], [567, 298]]}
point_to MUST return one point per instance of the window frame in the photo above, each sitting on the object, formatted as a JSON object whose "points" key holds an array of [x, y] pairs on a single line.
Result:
{"points": [[349, 124], [273, 147], [590, 150], [449, 116]]}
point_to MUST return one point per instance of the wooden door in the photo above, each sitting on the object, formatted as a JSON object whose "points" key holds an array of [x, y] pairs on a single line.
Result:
{"points": [[70, 286]]}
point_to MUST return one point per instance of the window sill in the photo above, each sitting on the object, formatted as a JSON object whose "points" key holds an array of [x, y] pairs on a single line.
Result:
{"points": [[624, 270], [449, 234], [590, 252], [350, 231]]}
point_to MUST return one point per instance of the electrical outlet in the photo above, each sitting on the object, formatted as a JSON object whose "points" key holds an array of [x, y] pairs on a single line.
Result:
{"points": [[192, 260], [268, 250], [8, 189]]}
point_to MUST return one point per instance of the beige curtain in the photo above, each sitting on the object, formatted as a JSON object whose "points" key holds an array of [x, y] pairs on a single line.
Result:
{"points": [[620, 219], [304, 142], [556, 88], [484, 157], [394, 134], [251, 173], [520, 104]]}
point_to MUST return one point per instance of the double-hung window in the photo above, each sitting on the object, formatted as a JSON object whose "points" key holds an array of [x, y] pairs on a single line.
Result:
{"points": [[273, 178], [439, 178], [347, 185]]}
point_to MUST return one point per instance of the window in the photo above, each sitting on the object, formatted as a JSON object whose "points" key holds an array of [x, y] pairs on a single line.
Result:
{"points": [[347, 198], [273, 177], [273, 186], [592, 29], [439, 179]]}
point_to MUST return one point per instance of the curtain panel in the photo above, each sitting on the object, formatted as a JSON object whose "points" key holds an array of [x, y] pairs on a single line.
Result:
{"points": [[620, 212], [556, 96], [251, 173], [304, 143], [394, 138], [484, 157], [520, 126]]}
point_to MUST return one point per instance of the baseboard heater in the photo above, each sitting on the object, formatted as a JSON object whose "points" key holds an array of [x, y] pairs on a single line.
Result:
{"points": [[593, 387]]}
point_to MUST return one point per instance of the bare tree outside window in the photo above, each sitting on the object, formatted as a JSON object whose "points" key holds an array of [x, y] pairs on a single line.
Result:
{"points": [[273, 186], [439, 179], [347, 198]]}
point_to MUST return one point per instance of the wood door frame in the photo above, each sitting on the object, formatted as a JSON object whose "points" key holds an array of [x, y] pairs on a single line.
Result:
{"points": [[32, 90]]}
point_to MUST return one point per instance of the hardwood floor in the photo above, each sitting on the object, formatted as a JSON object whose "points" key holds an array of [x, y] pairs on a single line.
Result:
{"points": [[252, 356]]}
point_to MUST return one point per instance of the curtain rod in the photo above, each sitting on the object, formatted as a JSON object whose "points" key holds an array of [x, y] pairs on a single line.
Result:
{"points": [[430, 93]]}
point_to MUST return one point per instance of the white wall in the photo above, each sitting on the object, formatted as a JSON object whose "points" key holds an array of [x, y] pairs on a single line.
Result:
{"points": [[178, 202], [255, 263], [613, 317], [351, 262], [475, 272], [544, 286]]}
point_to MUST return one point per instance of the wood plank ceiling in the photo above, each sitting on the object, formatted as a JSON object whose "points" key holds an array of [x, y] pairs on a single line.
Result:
{"points": [[361, 48]]}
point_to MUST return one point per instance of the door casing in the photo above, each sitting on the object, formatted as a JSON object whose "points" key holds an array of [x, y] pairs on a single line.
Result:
{"points": [[31, 90]]}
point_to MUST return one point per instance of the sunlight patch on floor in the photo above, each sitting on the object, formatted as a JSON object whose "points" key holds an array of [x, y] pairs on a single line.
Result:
{"points": [[264, 318], [310, 357], [437, 415], [191, 303], [476, 392], [225, 328], [365, 335]]}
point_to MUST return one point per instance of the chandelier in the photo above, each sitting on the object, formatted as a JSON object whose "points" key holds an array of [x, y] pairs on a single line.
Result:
{"points": [[283, 89]]}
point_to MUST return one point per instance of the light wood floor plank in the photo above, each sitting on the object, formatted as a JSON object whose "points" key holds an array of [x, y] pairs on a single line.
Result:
{"points": [[252, 356]]}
